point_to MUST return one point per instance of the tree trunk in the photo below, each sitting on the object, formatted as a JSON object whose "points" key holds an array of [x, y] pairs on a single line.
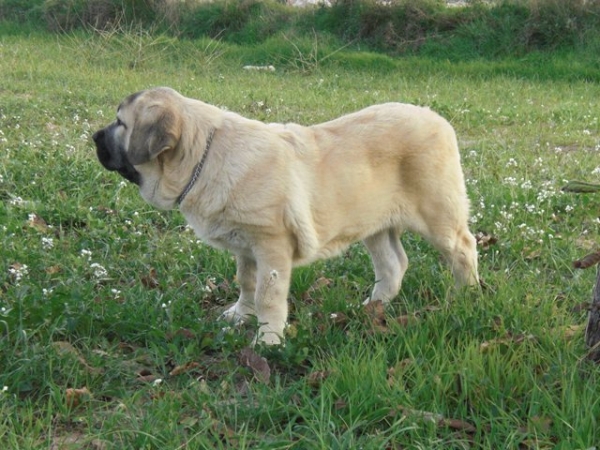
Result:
{"points": [[592, 332]]}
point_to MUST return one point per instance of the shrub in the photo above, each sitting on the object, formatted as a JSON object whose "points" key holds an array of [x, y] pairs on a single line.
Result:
{"points": [[66, 15], [498, 28], [245, 22]]}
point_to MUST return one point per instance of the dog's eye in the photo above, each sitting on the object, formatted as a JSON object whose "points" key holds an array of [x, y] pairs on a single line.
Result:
{"points": [[120, 123]]}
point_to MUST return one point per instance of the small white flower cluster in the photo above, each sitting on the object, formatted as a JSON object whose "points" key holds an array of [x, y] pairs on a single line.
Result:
{"points": [[16, 201], [47, 243], [18, 272], [99, 271]]}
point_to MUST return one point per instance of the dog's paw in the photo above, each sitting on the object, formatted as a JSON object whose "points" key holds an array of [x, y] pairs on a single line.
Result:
{"points": [[368, 300], [236, 314], [267, 337]]}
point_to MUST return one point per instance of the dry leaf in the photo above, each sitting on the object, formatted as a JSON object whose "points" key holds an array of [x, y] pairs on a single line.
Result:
{"points": [[16, 266], [505, 341], [106, 210], [485, 240], [394, 373], [581, 307], [587, 244], [75, 440], [149, 378], [315, 379], [53, 270], [37, 223], [321, 282], [181, 333], [376, 312], [440, 420], [540, 424], [74, 397], [259, 365], [530, 255], [187, 367], [211, 285], [66, 349], [571, 331], [339, 319], [150, 281], [406, 320], [459, 425], [587, 261], [340, 404]]}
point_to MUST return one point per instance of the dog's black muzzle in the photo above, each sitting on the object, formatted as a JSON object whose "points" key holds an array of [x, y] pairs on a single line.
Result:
{"points": [[113, 157]]}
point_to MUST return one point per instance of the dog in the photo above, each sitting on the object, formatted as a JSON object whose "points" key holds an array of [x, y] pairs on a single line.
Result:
{"points": [[283, 195]]}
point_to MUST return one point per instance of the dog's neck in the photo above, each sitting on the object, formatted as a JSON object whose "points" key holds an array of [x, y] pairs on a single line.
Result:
{"points": [[197, 170]]}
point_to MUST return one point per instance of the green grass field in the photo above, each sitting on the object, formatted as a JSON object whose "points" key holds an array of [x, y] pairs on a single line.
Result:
{"points": [[108, 308]]}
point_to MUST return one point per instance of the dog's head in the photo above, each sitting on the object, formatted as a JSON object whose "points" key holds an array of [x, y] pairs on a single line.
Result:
{"points": [[141, 143]]}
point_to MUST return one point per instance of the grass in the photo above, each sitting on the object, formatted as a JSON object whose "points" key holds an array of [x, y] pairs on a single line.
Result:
{"points": [[108, 308]]}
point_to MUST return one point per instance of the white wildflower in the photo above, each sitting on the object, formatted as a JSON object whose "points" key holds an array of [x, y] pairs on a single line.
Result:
{"points": [[16, 201], [18, 272], [526, 184], [47, 243], [99, 271]]}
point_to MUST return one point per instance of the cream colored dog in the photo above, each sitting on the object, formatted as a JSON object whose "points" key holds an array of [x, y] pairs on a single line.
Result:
{"points": [[283, 195]]}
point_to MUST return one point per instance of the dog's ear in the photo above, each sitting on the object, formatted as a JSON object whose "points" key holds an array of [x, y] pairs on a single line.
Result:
{"points": [[156, 130]]}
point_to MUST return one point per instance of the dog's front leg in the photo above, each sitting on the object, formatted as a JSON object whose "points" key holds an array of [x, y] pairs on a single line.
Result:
{"points": [[246, 278], [274, 268]]}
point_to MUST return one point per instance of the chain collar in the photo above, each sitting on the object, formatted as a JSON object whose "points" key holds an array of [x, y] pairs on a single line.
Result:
{"points": [[197, 170]]}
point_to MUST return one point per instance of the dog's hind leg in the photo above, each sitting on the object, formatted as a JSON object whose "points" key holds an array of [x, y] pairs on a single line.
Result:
{"points": [[389, 261]]}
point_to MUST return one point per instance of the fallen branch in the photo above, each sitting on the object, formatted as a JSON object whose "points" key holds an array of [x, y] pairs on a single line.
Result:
{"points": [[581, 187]]}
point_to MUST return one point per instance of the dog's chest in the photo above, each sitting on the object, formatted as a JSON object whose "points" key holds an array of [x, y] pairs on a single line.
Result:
{"points": [[220, 235]]}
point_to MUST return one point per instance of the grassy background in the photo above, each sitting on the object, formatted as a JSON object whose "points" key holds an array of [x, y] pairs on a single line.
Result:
{"points": [[100, 292]]}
